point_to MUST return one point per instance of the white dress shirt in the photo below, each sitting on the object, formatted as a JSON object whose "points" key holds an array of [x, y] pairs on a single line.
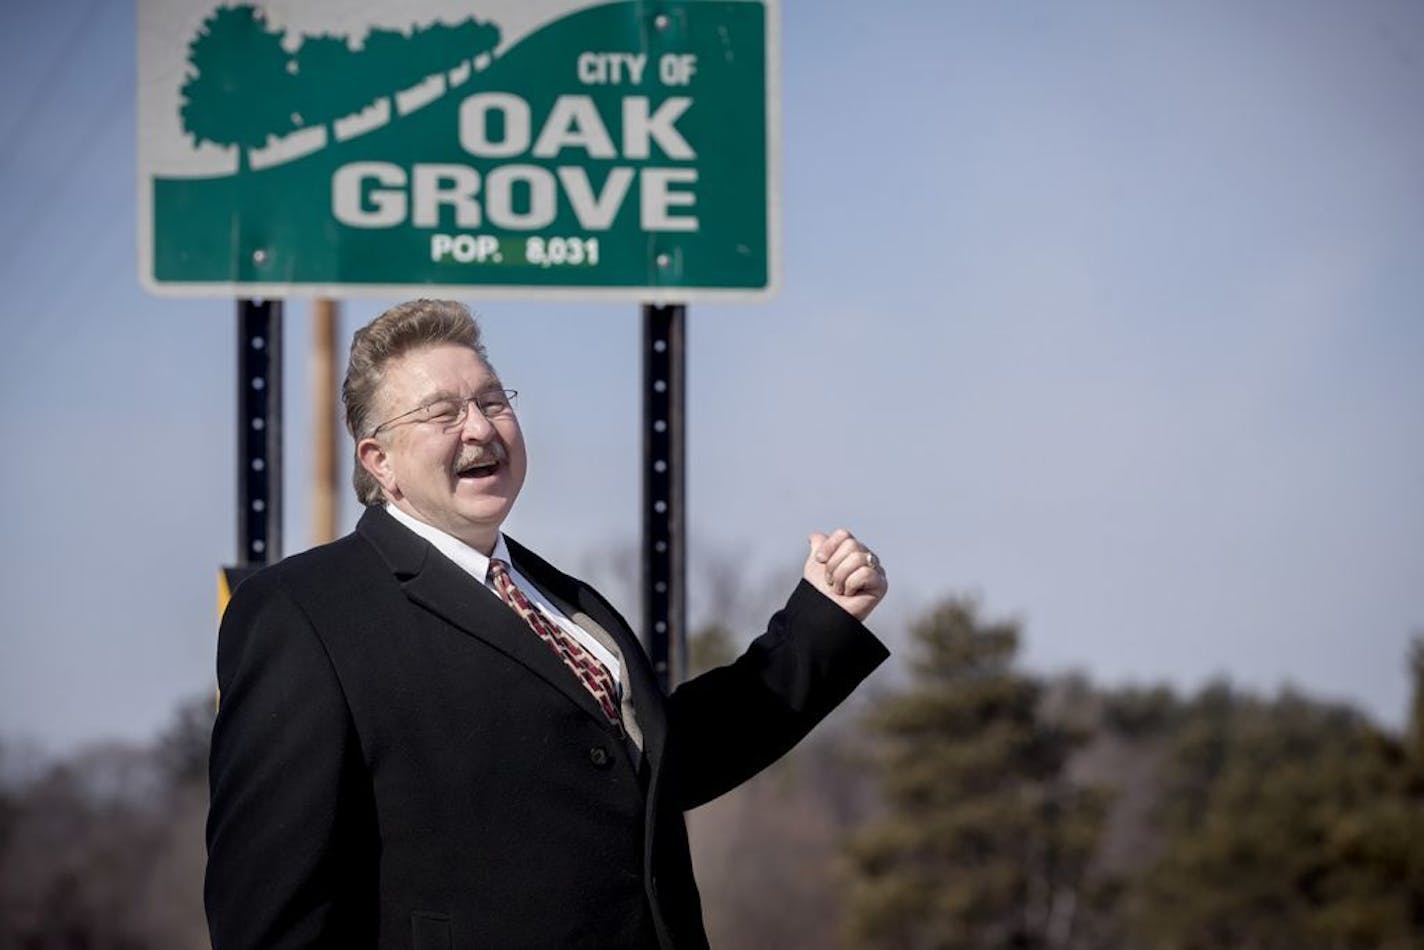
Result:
{"points": [[476, 564]]}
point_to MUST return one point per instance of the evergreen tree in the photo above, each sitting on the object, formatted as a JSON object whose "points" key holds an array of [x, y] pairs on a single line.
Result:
{"points": [[241, 90], [710, 646], [984, 843], [1287, 824], [1414, 728]]}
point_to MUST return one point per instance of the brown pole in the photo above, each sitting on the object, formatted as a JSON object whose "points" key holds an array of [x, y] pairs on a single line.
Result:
{"points": [[325, 316]]}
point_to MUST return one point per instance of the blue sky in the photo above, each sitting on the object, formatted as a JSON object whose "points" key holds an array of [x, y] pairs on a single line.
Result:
{"points": [[1109, 314]]}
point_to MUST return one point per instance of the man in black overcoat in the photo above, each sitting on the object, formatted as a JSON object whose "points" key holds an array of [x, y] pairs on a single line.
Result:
{"points": [[431, 738]]}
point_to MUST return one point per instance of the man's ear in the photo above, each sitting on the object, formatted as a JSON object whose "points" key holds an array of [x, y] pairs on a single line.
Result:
{"points": [[377, 461]]}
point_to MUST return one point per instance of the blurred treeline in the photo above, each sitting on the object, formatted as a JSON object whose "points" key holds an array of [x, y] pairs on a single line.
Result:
{"points": [[972, 805], [980, 806], [104, 850]]}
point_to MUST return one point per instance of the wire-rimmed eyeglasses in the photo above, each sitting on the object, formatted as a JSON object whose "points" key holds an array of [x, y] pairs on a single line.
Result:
{"points": [[450, 412]]}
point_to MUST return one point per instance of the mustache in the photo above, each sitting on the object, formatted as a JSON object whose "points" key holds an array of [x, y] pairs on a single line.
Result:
{"points": [[479, 455]]}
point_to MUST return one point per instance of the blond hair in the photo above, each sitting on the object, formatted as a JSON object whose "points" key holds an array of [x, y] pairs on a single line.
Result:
{"points": [[403, 328]]}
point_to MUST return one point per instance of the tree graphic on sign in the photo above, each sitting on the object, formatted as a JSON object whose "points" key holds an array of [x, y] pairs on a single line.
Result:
{"points": [[401, 61], [324, 90], [240, 92], [245, 88]]}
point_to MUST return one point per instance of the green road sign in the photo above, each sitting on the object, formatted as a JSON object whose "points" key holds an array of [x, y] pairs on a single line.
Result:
{"points": [[561, 148]]}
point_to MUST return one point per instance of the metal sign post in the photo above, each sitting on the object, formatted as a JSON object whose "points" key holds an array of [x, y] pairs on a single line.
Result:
{"points": [[259, 443], [664, 490], [259, 431]]}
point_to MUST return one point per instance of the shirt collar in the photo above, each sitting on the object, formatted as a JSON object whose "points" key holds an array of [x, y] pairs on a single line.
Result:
{"points": [[473, 562], [476, 564]]}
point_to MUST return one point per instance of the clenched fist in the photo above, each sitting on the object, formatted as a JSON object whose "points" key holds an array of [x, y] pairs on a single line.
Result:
{"points": [[846, 571]]}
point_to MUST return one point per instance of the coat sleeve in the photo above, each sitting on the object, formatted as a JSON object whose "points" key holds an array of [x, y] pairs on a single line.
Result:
{"points": [[288, 821], [731, 722]]}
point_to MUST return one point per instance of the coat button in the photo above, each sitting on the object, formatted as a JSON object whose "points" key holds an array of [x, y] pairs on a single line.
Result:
{"points": [[598, 755]]}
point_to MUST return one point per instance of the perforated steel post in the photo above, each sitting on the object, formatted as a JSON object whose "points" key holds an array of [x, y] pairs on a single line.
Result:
{"points": [[664, 491], [259, 431]]}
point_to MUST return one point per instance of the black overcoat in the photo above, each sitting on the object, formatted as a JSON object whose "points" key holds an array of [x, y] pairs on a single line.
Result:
{"points": [[398, 762]]}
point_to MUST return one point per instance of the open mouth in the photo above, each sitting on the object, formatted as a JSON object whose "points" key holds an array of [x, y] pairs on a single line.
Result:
{"points": [[481, 469]]}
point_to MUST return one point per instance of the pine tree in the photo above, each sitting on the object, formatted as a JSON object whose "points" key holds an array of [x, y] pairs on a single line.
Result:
{"points": [[984, 843], [1414, 728], [1288, 824]]}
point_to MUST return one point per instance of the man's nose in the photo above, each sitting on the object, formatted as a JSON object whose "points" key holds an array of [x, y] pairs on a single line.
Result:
{"points": [[476, 428]]}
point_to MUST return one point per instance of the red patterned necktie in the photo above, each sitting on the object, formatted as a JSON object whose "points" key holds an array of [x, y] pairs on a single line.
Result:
{"points": [[584, 664]]}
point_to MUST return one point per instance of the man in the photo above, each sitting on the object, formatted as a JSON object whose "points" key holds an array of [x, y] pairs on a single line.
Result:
{"points": [[431, 738]]}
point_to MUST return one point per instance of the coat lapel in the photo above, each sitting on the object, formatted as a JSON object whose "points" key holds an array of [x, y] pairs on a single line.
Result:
{"points": [[578, 602], [439, 585]]}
